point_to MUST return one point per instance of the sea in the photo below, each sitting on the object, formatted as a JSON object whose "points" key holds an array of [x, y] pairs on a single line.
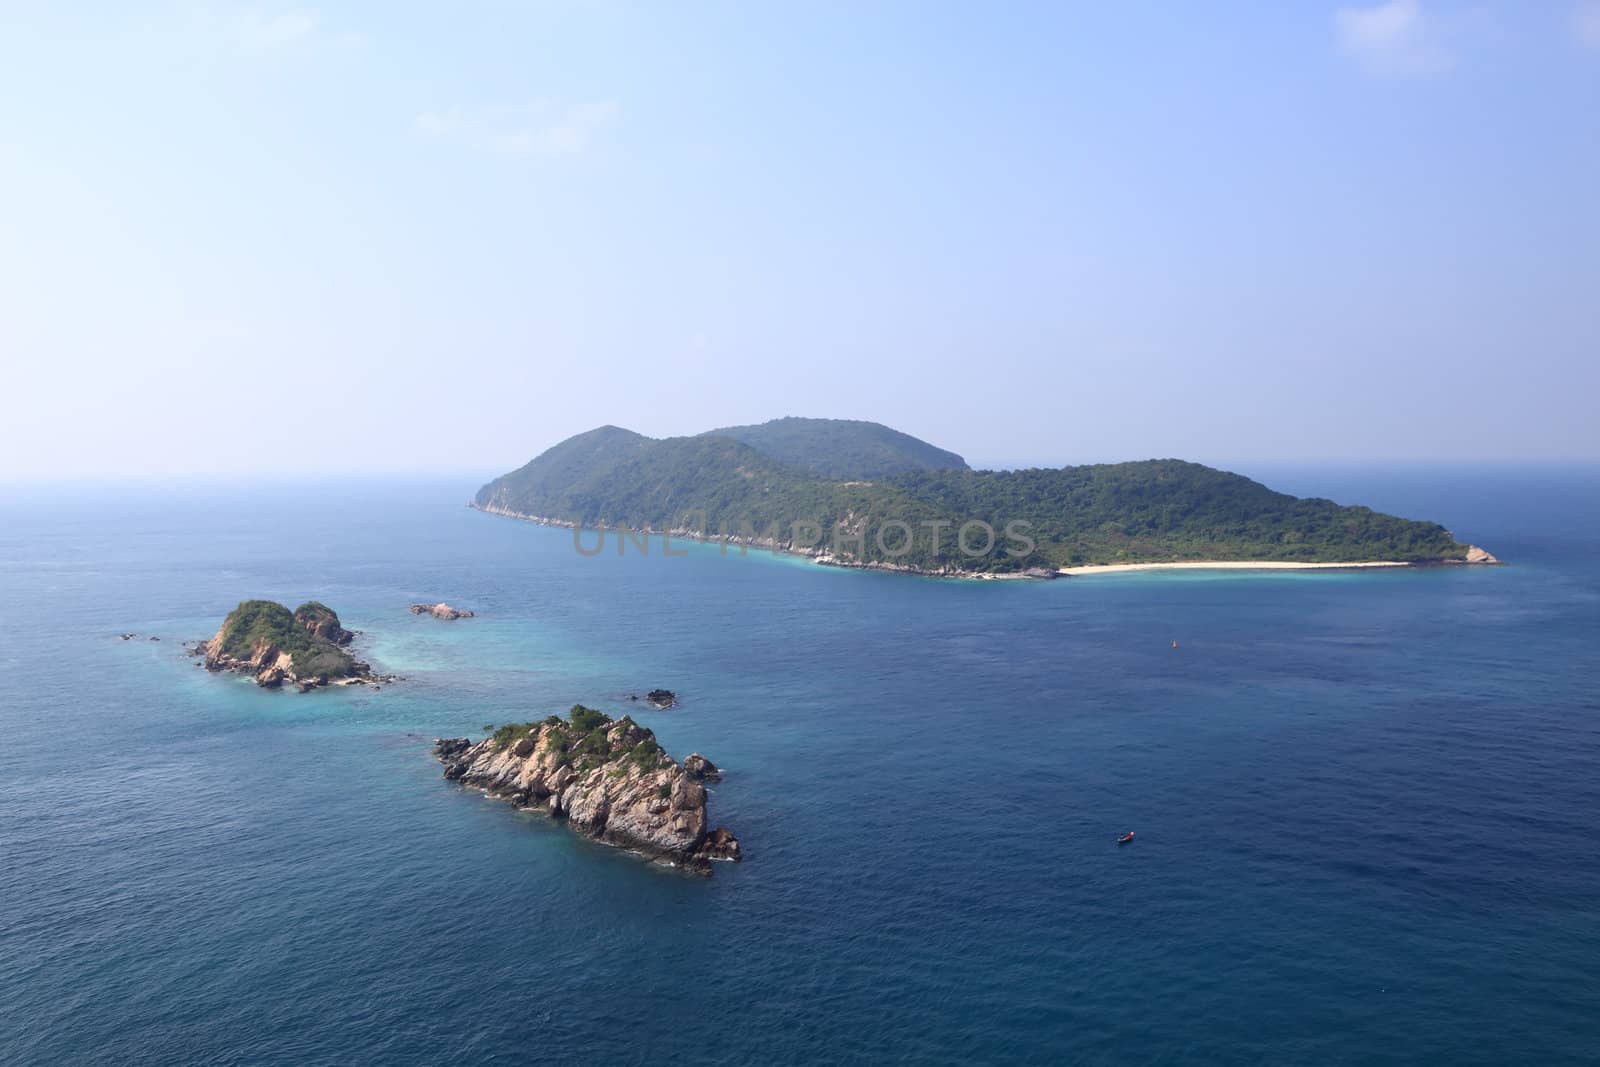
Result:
{"points": [[1364, 803]]}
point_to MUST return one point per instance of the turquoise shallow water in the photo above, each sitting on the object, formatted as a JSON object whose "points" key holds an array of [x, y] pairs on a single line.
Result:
{"points": [[1364, 802]]}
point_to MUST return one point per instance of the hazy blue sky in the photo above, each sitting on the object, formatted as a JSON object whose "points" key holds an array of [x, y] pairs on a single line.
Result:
{"points": [[378, 236]]}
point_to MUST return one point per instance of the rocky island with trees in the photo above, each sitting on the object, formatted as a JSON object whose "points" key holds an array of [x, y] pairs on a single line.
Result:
{"points": [[608, 779], [305, 648]]}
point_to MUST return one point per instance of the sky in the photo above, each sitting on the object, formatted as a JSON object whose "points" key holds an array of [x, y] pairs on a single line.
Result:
{"points": [[265, 240]]}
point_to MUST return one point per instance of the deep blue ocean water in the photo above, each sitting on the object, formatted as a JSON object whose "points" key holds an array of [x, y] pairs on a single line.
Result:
{"points": [[1365, 802]]}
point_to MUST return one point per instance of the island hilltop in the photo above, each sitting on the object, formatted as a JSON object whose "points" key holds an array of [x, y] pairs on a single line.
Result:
{"points": [[607, 778], [303, 648], [858, 494]]}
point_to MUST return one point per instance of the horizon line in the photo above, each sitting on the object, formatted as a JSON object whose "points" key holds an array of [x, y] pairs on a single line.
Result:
{"points": [[479, 477]]}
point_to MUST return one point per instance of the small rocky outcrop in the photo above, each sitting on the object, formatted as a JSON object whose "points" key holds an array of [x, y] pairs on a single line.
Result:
{"points": [[720, 844], [662, 698], [276, 647], [607, 778], [698, 767], [1478, 555], [440, 610]]}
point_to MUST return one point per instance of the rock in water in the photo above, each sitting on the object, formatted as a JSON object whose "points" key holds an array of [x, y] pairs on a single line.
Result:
{"points": [[722, 845], [273, 676], [698, 767], [445, 747], [662, 698], [440, 610], [607, 777]]}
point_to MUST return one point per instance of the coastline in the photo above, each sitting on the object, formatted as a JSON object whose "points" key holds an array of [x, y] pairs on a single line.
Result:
{"points": [[819, 556], [826, 559]]}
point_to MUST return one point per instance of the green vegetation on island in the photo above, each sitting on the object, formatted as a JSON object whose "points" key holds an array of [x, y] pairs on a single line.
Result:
{"points": [[763, 484], [257, 632], [1171, 510], [583, 740], [842, 449]]}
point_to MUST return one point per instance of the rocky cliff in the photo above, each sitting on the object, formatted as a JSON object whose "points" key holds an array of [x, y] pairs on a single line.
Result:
{"points": [[608, 778], [322, 623]]}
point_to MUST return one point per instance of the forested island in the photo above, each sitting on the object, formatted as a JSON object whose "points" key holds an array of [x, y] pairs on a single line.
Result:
{"points": [[861, 494]]}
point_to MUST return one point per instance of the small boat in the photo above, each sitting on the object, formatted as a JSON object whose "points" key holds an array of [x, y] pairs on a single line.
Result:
{"points": [[1125, 838]]}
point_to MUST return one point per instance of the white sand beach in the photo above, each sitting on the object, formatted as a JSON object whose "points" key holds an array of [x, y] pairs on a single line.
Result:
{"points": [[1220, 565]]}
